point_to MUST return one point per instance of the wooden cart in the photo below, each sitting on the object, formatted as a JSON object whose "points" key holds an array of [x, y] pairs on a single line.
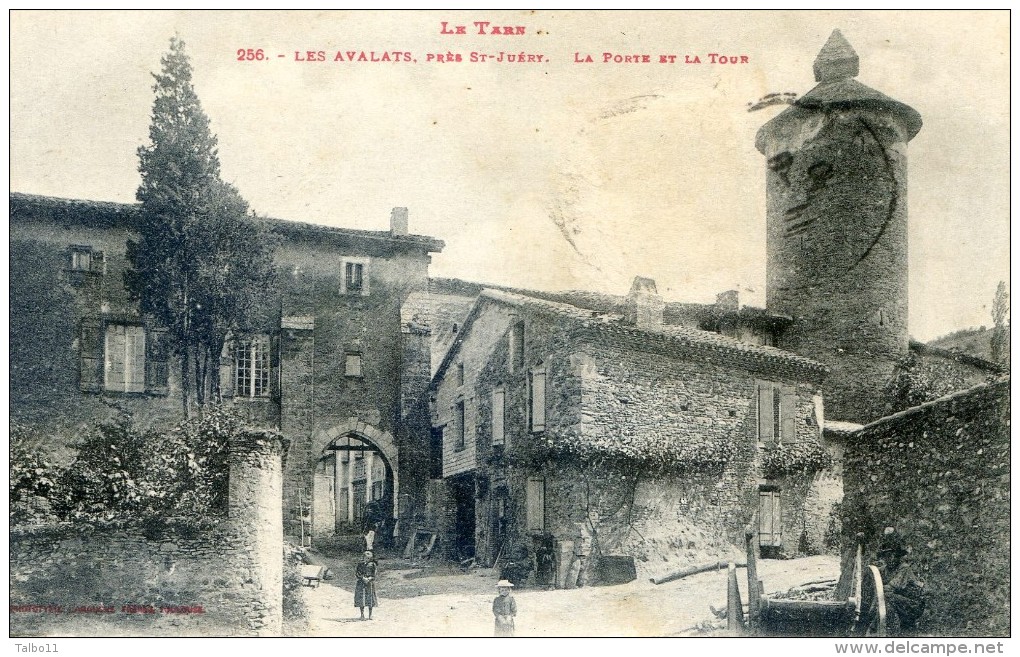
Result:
{"points": [[863, 613]]}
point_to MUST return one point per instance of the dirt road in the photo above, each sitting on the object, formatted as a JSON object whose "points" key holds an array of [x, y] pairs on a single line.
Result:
{"points": [[451, 604]]}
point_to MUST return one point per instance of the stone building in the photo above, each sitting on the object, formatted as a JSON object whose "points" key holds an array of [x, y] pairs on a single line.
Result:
{"points": [[332, 370], [657, 439]]}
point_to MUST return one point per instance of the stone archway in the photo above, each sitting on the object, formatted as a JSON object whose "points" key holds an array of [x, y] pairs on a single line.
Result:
{"points": [[328, 496]]}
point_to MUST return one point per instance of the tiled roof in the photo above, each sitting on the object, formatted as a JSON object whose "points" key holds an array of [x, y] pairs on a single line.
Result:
{"points": [[675, 312], [689, 339], [125, 215]]}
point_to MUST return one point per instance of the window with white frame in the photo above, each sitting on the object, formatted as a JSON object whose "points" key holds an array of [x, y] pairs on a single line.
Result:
{"points": [[352, 364], [124, 369], [251, 367], [354, 276], [81, 258]]}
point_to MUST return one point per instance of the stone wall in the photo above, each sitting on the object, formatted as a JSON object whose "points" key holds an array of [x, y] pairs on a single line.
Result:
{"points": [[939, 475], [159, 580]]}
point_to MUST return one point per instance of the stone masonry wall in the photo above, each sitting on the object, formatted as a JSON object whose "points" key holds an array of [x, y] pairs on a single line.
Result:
{"points": [[223, 581], [609, 391], [939, 475]]}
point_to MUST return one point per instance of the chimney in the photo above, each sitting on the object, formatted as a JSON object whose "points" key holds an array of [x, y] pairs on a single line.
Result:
{"points": [[728, 301], [644, 306], [398, 221]]}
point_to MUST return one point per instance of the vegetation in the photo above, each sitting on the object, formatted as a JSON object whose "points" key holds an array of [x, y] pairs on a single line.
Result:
{"points": [[202, 267], [123, 473], [805, 457], [918, 380], [1000, 333], [33, 477]]}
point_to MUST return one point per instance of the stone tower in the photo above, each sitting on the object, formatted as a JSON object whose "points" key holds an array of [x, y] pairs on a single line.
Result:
{"points": [[837, 230]]}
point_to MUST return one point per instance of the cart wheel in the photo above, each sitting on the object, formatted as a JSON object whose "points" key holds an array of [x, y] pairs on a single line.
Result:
{"points": [[872, 619]]}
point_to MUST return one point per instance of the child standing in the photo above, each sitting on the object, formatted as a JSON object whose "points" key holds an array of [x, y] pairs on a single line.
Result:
{"points": [[504, 608]]}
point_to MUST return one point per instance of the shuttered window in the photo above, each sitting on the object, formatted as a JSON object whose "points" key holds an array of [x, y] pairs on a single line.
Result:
{"points": [[498, 416], [536, 397], [770, 518], [766, 421], [459, 438], [123, 358], [777, 413], [536, 504], [124, 368], [354, 276]]}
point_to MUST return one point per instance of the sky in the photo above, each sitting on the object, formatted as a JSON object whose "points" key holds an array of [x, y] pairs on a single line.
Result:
{"points": [[546, 174]]}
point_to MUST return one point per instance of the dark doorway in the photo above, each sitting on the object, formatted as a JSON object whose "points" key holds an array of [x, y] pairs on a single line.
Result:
{"points": [[462, 488]]}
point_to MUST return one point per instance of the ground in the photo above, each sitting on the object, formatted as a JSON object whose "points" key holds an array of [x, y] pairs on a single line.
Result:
{"points": [[441, 600]]}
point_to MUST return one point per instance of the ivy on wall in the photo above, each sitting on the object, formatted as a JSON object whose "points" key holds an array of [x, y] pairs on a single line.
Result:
{"points": [[805, 457]]}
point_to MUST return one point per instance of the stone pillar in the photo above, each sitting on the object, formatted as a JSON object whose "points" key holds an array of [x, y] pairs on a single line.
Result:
{"points": [[297, 413], [255, 515], [350, 487], [369, 458]]}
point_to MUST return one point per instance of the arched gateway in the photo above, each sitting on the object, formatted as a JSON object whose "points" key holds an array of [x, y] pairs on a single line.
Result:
{"points": [[356, 479]]}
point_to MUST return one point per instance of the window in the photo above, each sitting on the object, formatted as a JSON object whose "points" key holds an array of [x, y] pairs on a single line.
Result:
{"points": [[354, 276], [770, 517], [517, 346], [777, 414], [536, 400], [536, 504], [251, 367], [81, 258], [498, 416], [124, 369], [352, 364], [459, 437]]}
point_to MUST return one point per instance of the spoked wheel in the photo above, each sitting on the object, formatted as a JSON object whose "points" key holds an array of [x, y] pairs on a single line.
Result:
{"points": [[872, 619]]}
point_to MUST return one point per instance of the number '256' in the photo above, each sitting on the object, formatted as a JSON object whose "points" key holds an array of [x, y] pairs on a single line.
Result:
{"points": [[250, 55]]}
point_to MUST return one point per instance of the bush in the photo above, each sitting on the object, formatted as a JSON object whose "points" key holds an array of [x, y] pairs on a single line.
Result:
{"points": [[122, 472], [294, 608], [33, 477], [918, 380]]}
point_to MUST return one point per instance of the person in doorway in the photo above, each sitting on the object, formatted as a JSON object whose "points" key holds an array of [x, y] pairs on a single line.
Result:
{"points": [[364, 586], [504, 608]]}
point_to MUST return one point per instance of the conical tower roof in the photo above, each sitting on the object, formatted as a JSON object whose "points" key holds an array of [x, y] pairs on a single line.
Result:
{"points": [[835, 67]]}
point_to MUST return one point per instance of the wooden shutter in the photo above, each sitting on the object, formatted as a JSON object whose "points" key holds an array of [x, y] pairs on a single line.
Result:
{"points": [[770, 518], [157, 362], [91, 361], [134, 359], [498, 416], [113, 370], [537, 396], [97, 262], [788, 415], [766, 431], [536, 504], [227, 370], [274, 367]]}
